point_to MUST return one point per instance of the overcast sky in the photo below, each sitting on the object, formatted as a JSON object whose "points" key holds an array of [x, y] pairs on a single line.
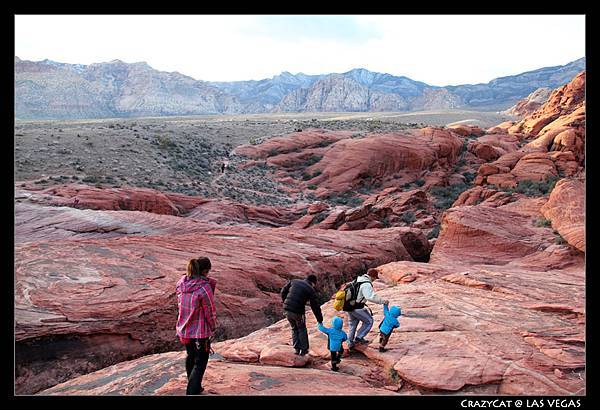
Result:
{"points": [[439, 50]]}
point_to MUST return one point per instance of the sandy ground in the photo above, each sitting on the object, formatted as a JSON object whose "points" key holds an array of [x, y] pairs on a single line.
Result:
{"points": [[183, 154]]}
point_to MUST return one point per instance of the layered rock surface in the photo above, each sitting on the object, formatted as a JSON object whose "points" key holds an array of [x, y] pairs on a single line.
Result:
{"points": [[499, 310], [97, 287], [553, 137]]}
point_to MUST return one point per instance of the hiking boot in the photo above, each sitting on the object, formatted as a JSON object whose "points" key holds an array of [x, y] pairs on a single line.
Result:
{"points": [[303, 352], [297, 352], [335, 369], [360, 340]]}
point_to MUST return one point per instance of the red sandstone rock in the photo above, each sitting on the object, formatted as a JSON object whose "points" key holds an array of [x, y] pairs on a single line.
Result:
{"points": [[314, 138], [117, 199], [348, 162], [562, 101], [482, 234], [500, 128], [565, 208], [164, 374], [467, 326], [466, 130], [534, 167], [119, 291]]}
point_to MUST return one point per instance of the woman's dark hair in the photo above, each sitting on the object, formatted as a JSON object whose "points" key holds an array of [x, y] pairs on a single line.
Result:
{"points": [[197, 267], [312, 278]]}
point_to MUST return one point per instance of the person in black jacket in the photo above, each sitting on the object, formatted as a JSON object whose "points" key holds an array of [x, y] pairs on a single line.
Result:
{"points": [[294, 295]]}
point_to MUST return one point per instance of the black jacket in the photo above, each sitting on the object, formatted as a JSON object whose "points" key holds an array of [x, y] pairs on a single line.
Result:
{"points": [[296, 293]]}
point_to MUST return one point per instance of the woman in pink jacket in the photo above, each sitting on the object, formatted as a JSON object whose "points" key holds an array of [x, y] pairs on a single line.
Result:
{"points": [[197, 319]]}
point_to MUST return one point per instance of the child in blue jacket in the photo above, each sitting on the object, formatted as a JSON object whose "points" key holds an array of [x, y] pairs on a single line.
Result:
{"points": [[388, 324], [335, 336]]}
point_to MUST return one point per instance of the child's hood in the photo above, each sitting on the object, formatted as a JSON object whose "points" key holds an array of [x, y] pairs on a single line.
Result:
{"points": [[395, 311], [337, 323]]}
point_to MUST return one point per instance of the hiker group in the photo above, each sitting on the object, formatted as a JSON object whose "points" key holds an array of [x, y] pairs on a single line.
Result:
{"points": [[352, 300], [197, 317]]}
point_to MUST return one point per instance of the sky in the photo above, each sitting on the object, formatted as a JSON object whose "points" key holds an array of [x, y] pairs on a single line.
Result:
{"points": [[436, 49]]}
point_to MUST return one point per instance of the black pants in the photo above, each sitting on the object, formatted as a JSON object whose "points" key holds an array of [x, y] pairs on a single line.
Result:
{"points": [[299, 332], [195, 364], [383, 338], [336, 357]]}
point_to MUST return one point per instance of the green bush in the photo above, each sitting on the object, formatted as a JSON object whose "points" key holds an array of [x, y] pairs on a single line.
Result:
{"points": [[434, 232], [318, 218], [469, 176], [558, 239], [313, 159], [408, 217], [542, 223], [419, 182], [531, 188], [91, 179], [447, 195], [316, 173], [312, 186], [165, 142], [324, 143]]}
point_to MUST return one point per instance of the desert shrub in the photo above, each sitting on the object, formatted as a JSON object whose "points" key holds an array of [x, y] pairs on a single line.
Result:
{"points": [[558, 239], [312, 186], [91, 179], [434, 232], [316, 173], [408, 217], [324, 143], [542, 223], [419, 182], [394, 376], [313, 159], [318, 218], [305, 176], [165, 142], [355, 201], [448, 194], [531, 188], [469, 176]]}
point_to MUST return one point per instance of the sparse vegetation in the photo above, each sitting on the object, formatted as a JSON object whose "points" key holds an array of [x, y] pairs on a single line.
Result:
{"points": [[408, 217], [434, 232], [419, 182], [533, 189], [543, 223], [447, 195], [558, 239], [313, 159]]}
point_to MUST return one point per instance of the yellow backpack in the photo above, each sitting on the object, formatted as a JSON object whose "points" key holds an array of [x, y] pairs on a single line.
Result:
{"points": [[340, 299]]}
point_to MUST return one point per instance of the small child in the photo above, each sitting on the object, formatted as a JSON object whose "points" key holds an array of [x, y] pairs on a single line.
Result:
{"points": [[336, 336], [388, 324]]}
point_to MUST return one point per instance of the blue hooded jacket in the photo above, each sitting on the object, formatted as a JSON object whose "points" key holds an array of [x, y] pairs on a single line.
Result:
{"points": [[336, 334], [390, 319]]}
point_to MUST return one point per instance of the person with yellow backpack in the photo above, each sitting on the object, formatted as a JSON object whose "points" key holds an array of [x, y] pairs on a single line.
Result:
{"points": [[352, 299]]}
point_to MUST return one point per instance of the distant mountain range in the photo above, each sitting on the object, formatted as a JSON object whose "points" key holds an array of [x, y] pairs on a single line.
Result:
{"points": [[51, 90]]}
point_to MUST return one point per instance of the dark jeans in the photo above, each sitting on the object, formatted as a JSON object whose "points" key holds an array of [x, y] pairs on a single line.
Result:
{"points": [[383, 338], [336, 357], [299, 332], [195, 364]]}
